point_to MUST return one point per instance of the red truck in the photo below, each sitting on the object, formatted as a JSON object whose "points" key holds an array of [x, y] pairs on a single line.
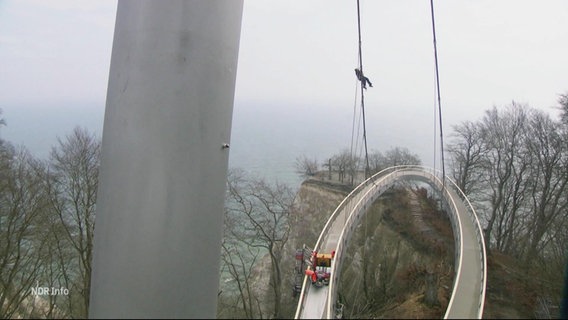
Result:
{"points": [[319, 269]]}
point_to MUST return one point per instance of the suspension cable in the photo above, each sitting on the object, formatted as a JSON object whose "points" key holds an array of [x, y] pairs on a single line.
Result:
{"points": [[356, 148], [354, 138], [435, 122], [362, 92], [438, 91]]}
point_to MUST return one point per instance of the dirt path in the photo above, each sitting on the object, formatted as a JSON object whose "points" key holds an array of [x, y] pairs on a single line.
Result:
{"points": [[417, 212]]}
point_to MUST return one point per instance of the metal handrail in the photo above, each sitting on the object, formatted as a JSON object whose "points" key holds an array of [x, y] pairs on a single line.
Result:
{"points": [[341, 240], [326, 227], [354, 212], [481, 240]]}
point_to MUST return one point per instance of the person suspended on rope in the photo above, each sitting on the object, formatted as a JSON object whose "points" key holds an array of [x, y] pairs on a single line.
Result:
{"points": [[364, 80]]}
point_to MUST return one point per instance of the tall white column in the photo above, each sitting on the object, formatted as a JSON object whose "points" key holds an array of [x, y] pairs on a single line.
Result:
{"points": [[163, 170]]}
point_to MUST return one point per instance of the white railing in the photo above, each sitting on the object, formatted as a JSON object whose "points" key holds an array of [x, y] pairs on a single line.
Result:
{"points": [[385, 180], [481, 240], [356, 203], [345, 203]]}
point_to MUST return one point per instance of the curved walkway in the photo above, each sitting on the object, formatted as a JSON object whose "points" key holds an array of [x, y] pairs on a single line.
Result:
{"points": [[468, 294]]}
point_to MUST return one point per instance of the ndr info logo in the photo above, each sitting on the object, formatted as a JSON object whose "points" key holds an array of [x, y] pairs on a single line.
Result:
{"points": [[49, 291]]}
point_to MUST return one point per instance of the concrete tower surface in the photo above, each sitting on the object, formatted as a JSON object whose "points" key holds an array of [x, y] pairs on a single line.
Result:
{"points": [[164, 159]]}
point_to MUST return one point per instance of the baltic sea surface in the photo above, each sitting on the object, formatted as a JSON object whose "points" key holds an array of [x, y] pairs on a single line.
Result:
{"points": [[266, 138], [265, 142]]}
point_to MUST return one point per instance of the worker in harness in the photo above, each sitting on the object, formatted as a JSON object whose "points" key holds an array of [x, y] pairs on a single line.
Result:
{"points": [[364, 80]]}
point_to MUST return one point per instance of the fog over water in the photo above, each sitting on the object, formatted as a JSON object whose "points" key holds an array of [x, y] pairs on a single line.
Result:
{"points": [[36, 125], [266, 138], [267, 141]]}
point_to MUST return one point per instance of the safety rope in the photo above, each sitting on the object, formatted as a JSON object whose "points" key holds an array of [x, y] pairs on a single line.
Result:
{"points": [[355, 128], [356, 149], [438, 91], [435, 122], [363, 85]]}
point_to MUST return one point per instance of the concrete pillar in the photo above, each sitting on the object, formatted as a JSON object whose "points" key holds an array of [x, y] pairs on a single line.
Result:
{"points": [[164, 160]]}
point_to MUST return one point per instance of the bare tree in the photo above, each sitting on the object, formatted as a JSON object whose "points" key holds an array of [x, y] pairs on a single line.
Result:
{"points": [[502, 135], [73, 181], [401, 156], [520, 185], [346, 165], [396, 156], [466, 151], [22, 201], [513, 164], [239, 262], [563, 102], [261, 213], [549, 180], [339, 164], [329, 166], [238, 259], [55, 271], [306, 167], [377, 162], [554, 247]]}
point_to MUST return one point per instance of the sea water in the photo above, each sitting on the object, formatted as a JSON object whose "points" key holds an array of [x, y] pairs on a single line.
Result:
{"points": [[266, 140]]}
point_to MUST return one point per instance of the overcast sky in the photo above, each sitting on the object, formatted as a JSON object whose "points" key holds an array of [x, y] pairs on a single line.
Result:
{"points": [[300, 55]]}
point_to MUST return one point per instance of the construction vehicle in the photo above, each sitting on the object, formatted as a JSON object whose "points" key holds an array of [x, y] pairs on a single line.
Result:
{"points": [[319, 268]]}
